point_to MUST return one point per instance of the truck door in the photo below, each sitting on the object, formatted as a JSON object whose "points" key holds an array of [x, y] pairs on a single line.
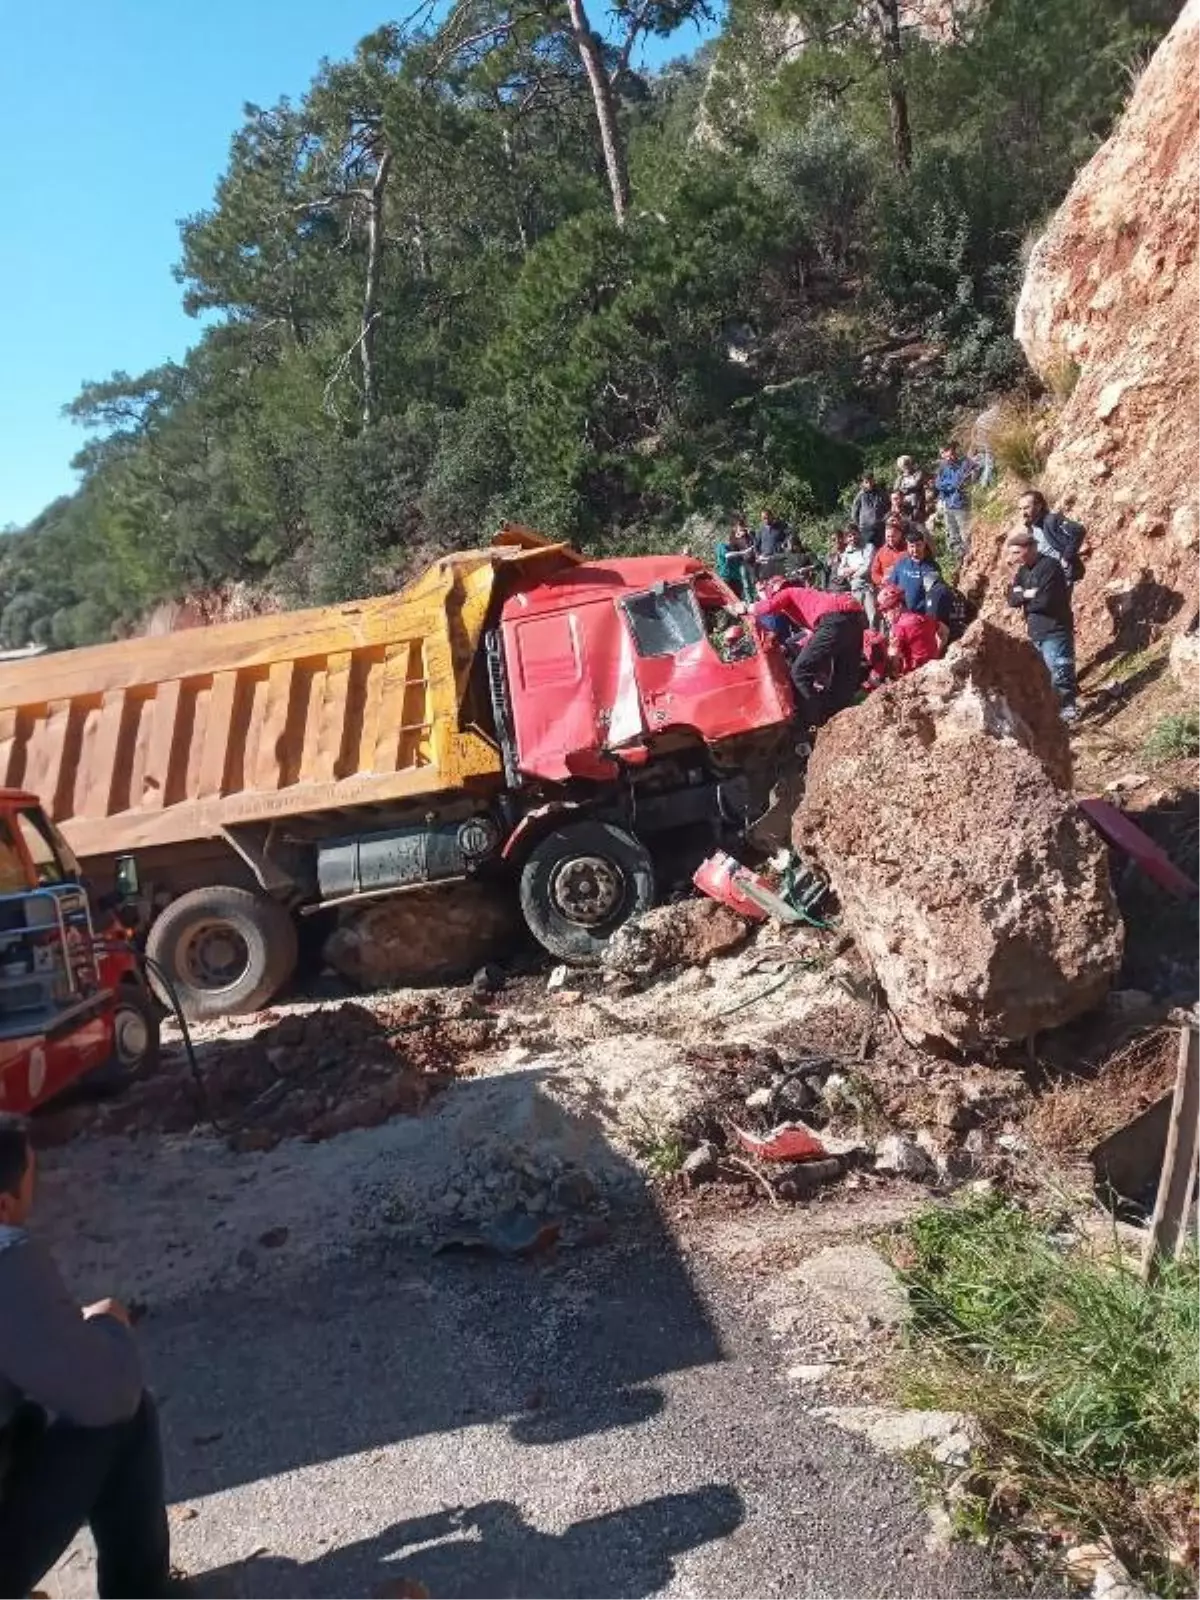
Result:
{"points": [[683, 680]]}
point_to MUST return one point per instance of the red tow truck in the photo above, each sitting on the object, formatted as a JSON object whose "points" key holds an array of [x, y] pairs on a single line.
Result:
{"points": [[72, 998]]}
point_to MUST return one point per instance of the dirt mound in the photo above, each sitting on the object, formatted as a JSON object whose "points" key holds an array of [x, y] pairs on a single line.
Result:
{"points": [[426, 936], [305, 1075], [970, 882], [1109, 305]]}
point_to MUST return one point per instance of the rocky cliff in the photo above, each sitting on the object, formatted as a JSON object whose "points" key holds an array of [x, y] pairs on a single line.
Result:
{"points": [[1110, 303]]}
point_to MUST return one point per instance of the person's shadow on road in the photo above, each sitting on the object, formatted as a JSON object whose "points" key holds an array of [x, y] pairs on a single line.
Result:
{"points": [[490, 1550]]}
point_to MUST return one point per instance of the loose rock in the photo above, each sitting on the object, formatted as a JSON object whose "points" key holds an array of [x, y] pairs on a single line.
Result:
{"points": [[1004, 924], [687, 933]]}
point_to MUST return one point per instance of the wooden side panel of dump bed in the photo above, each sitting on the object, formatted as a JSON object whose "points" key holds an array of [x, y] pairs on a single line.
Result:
{"points": [[156, 741]]}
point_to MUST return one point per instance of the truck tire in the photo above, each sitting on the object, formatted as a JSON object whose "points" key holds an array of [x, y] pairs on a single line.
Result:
{"points": [[137, 1048], [580, 884], [225, 951]]}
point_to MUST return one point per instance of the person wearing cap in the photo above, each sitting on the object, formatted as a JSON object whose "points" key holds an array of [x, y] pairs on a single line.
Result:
{"points": [[918, 577], [913, 637], [1039, 589], [827, 668]]}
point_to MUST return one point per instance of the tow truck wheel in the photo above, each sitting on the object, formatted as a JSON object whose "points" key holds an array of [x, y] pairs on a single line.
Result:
{"points": [[580, 884], [136, 1043], [224, 950]]}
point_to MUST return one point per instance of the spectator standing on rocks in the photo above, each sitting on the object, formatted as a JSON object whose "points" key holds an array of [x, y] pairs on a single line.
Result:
{"points": [[919, 579], [890, 552], [1039, 589], [772, 546], [910, 482], [1054, 534], [853, 570], [735, 560], [953, 476], [869, 511], [78, 1432], [827, 669]]}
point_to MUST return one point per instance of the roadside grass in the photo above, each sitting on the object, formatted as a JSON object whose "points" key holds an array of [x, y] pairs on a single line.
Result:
{"points": [[1084, 1379], [1175, 737], [661, 1150]]}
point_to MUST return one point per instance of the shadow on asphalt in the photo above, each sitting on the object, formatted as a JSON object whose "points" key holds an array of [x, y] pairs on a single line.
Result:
{"points": [[490, 1550], [398, 1345]]}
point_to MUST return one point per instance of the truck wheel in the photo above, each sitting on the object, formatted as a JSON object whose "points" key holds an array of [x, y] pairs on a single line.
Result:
{"points": [[580, 884], [136, 1043], [225, 951]]}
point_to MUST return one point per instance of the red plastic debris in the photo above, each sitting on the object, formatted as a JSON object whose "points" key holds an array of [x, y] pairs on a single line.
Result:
{"points": [[790, 1141], [1112, 824], [720, 876]]}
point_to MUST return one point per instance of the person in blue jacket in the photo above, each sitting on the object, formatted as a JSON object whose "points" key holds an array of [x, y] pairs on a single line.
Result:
{"points": [[919, 578], [953, 475]]}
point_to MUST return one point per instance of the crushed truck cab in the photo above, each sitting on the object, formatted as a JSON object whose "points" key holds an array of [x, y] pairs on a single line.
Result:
{"points": [[518, 716]]}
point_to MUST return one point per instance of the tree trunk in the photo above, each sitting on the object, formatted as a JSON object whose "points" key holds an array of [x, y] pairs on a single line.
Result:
{"points": [[888, 14], [370, 311], [605, 100]]}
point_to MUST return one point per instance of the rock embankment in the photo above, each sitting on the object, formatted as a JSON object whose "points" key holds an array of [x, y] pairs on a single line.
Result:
{"points": [[1109, 305]]}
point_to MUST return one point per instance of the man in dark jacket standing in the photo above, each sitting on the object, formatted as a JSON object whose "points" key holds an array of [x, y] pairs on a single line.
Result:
{"points": [[1039, 589], [78, 1432], [869, 510], [1054, 534]]}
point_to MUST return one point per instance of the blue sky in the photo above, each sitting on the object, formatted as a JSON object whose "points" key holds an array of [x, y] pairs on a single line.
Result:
{"points": [[115, 120]]}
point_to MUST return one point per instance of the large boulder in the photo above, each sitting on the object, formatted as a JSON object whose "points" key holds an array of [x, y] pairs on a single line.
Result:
{"points": [[972, 884], [1109, 305], [687, 933]]}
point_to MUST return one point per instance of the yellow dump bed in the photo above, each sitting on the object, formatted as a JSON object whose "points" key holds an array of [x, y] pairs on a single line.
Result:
{"points": [[154, 741]]}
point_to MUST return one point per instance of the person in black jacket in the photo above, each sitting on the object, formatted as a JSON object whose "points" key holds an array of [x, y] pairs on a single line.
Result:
{"points": [[1039, 589], [1054, 534]]}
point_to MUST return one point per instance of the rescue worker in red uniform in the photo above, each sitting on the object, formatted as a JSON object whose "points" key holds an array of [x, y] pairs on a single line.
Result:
{"points": [[913, 637], [827, 669]]}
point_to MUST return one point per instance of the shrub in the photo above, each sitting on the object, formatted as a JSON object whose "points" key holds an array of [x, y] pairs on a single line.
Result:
{"points": [[1175, 737], [1017, 444]]}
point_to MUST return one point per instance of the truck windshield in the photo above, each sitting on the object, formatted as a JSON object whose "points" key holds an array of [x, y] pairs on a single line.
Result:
{"points": [[12, 868], [664, 620], [42, 847]]}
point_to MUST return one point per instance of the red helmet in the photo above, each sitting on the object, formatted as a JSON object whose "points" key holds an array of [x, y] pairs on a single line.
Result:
{"points": [[889, 596]]}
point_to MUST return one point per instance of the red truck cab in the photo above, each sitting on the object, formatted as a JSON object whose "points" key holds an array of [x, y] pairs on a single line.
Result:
{"points": [[610, 660]]}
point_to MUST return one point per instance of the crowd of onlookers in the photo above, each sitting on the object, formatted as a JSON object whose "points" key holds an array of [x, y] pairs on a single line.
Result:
{"points": [[878, 604]]}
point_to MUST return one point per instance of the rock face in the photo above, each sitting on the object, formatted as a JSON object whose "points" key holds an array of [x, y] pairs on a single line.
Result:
{"points": [[970, 881], [1110, 294]]}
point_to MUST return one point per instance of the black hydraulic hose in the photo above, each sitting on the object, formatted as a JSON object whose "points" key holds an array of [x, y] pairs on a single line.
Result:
{"points": [[163, 977]]}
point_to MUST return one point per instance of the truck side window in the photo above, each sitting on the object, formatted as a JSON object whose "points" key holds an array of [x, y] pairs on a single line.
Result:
{"points": [[12, 869], [41, 848], [664, 620]]}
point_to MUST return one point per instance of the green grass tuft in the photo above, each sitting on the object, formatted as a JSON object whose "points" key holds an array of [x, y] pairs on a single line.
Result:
{"points": [[1174, 738], [1083, 1378], [1017, 444]]}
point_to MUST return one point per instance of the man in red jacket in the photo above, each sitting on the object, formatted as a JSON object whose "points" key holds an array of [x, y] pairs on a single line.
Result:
{"points": [[913, 638], [827, 669]]}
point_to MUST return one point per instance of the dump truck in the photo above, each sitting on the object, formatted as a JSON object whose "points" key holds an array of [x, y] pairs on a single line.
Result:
{"points": [[519, 721]]}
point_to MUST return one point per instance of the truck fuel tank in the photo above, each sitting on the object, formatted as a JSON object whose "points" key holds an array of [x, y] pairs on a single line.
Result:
{"points": [[401, 857]]}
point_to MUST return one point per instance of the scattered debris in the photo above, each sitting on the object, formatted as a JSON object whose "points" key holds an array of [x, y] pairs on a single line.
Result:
{"points": [[701, 1165], [903, 1156], [947, 1436], [790, 1141]]}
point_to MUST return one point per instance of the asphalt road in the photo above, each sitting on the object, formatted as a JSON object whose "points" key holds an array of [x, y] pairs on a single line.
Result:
{"points": [[590, 1425]]}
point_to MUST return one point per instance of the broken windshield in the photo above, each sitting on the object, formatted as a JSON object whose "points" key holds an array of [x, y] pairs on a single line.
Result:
{"points": [[664, 620]]}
